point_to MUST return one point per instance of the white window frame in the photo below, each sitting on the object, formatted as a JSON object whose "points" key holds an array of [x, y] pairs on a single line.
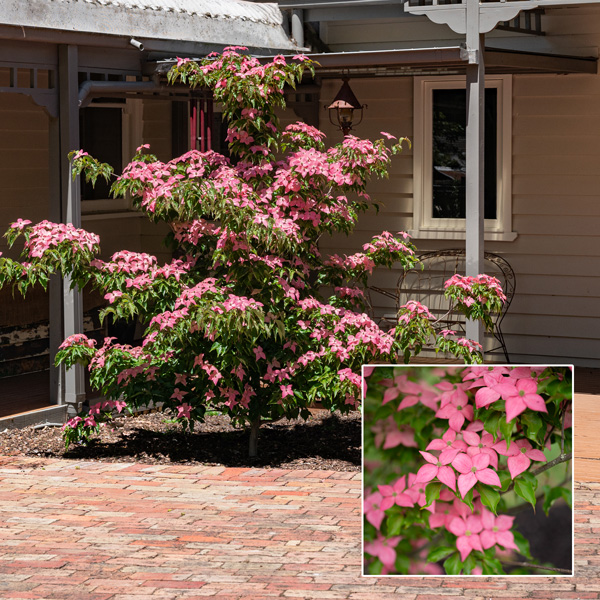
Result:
{"points": [[424, 225], [131, 138]]}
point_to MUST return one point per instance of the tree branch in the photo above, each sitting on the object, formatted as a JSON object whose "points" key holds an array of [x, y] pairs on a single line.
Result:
{"points": [[559, 459], [534, 566]]}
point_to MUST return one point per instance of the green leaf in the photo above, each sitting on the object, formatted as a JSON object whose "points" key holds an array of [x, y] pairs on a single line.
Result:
{"points": [[505, 480], [468, 499], [469, 564], [489, 497], [525, 489], [394, 524], [533, 422], [492, 422], [375, 568], [506, 430], [453, 565], [568, 496], [492, 566], [522, 544], [402, 564], [437, 554], [432, 492], [554, 494]]}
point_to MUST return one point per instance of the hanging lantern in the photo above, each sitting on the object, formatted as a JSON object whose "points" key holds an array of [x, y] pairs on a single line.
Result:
{"points": [[343, 106]]}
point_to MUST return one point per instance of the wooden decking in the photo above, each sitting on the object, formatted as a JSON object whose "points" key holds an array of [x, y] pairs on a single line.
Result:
{"points": [[587, 440]]}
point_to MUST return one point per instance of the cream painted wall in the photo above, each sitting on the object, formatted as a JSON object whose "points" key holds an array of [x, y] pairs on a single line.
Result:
{"points": [[555, 316]]}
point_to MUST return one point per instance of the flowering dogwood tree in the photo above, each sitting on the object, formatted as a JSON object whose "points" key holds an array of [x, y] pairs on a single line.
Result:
{"points": [[249, 318], [452, 455]]}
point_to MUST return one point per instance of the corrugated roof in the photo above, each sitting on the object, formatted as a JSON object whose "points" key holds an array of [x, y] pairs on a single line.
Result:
{"points": [[225, 22], [211, 9]]}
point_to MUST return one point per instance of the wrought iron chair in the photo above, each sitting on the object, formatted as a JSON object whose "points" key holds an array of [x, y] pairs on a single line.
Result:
{"points": [[426, 285]]}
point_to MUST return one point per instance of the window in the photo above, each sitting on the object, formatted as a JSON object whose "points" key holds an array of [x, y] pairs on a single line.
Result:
{"points": [[110, 130], [439, 158]]}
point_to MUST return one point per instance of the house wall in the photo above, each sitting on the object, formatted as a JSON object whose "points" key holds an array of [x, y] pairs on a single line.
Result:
{"points": [[24, 172], [555, 315]]}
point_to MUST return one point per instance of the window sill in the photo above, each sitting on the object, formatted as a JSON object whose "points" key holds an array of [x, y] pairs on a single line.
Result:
{"points": [[102, 216], [445, 234]]}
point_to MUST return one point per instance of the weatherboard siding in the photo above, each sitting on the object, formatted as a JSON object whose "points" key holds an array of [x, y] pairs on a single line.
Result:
{"points": [[23, 163], [555, 315]]}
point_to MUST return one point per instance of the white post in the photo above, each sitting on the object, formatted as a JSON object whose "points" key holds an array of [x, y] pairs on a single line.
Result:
{"points": [[55, 288], [475, 154], [74, 388]]}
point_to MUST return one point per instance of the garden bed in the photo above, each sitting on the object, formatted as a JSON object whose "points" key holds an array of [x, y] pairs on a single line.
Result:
{"points": [[326, 441]]}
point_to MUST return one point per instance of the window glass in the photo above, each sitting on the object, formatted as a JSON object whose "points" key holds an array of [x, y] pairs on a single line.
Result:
{"points": [[101, 137], [449, 153]]}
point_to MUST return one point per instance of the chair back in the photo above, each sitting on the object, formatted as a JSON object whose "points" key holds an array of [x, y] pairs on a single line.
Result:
{"points": [[426, 285]]}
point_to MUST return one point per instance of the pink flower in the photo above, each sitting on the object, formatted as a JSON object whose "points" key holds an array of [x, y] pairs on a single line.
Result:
{"points": [[20, 224], [449, 445], [437, 468], [497, 531], [383, 549], [467, 532], [456, 411], [519, 396], [394, 494], [183, 410], [178, 394], [452, 391], [89, 422], [473, 470], [239, 372], [520, 454], [286, 390], [481, 445], [389, 136], [180, 378], [416, 491], [414, 393], [112, 296], [259, 353], [390, 434], [373, 510], [120, 405]]}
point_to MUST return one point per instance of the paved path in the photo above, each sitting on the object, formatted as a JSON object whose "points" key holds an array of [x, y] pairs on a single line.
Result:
{"points": [[100, 531]]}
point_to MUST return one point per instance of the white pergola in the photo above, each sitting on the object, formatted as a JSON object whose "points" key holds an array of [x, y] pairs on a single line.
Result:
{"points": [[475, 18]]}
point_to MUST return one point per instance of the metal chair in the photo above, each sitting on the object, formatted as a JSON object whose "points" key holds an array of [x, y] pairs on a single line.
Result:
{"points": [[426, 285]]}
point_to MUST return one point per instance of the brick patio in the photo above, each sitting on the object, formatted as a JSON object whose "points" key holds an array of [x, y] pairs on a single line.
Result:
{"points": [[101, 531]]}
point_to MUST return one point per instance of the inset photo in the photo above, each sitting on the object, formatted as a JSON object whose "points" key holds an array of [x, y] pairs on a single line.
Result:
{"points": [[467, 470]]}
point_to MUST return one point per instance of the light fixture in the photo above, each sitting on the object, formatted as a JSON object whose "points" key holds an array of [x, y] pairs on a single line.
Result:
{"points": [[344, 105]]}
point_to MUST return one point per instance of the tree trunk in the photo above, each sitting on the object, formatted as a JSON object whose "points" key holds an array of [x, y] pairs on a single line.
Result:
{"points": [[253, 445]]}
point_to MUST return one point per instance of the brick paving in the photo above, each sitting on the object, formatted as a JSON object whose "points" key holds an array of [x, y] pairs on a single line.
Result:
{"points": [[104, 531]]}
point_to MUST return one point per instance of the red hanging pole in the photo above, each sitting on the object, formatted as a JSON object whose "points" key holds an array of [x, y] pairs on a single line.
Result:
{"points": [[193, 124], [202, 127], [209, 119]]}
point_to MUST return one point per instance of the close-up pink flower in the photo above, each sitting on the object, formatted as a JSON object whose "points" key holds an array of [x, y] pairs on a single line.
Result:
{"points": [[467, 532], [520, 395], [520, 454], [437, 468], [473, 470], [456, 411], [497, 531]]}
